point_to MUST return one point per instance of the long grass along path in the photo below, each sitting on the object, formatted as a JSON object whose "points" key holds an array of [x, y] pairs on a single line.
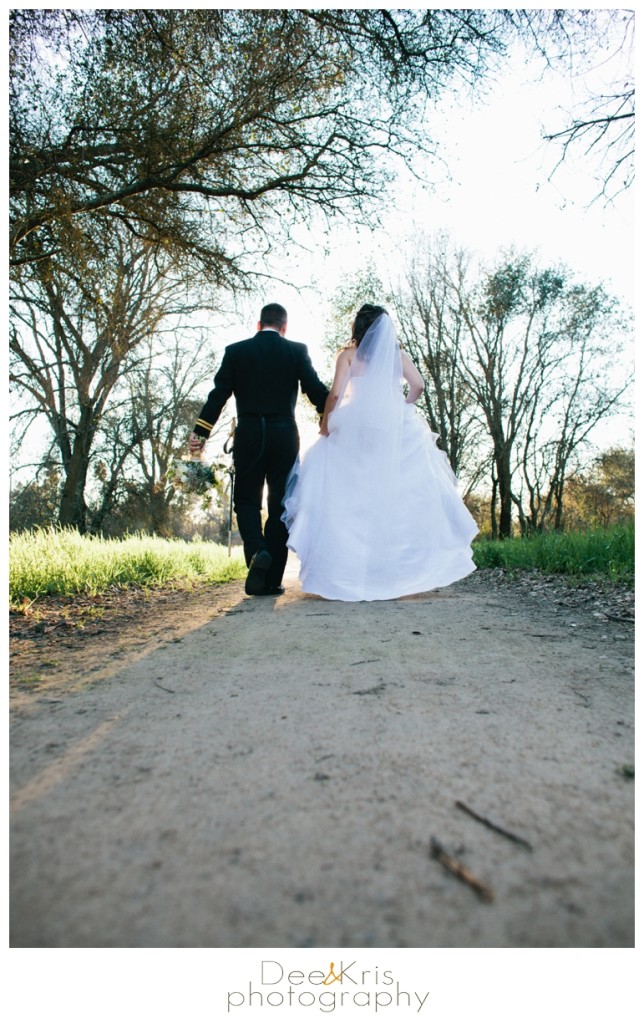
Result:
{"points": [[62, 562]]}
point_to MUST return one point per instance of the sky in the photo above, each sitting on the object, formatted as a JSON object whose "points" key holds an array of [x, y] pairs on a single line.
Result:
{"points": [[492, 192], [498, 192]]}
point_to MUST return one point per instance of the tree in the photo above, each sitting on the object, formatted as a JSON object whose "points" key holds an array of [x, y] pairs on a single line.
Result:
{"points": [[504, 369], [175, 123], [149, 433], [519, 365], [602, 124], [75, 327], [191, 126], [434, 335], [115, 441], [571, 404], [603, 495], [35, 503], [538, 366], [364, 286]]}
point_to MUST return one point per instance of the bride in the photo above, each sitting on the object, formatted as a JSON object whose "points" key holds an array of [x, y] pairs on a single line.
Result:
{"points": [[373, 511]]}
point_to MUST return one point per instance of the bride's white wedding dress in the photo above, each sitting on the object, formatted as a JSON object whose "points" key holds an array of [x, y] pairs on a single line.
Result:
{"points": [[373, 510]]}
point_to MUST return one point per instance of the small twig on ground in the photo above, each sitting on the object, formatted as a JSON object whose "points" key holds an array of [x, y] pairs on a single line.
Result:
{"points": [[165, 688], [619, 618], [583, 697], [374, 691], [495, 828], [459, 870]]}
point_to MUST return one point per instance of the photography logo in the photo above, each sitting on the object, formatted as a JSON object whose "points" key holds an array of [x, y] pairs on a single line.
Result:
{"points": [[341, 985]]}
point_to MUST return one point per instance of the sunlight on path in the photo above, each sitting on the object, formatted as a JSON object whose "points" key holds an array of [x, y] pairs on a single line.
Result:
{"points": [[292, 569], [56, 772]]}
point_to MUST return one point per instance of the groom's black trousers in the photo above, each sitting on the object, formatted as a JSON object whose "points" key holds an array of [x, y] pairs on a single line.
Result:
{"points": [[264, 451]]}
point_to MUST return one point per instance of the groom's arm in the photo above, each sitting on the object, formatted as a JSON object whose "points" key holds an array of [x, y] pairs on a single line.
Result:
{"points": [[310, 383], [216, 400]]}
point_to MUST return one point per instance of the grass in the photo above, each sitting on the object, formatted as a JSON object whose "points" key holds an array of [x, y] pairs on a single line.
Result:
{"points": [[609, 554], [63, 562]]}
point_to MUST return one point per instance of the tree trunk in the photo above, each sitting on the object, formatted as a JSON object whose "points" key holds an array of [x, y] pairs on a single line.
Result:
{"points": [[559, 507], [159, 511], [494, 526], [73, 510], [504, 476]]}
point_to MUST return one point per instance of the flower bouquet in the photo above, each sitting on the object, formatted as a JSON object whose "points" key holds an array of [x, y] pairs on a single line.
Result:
{"points": [[193, 475]]}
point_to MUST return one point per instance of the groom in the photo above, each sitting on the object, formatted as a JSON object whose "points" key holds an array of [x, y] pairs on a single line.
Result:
{"points": [[263, 374]]}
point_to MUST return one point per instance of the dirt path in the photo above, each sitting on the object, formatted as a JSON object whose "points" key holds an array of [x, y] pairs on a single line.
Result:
{"points": [[217, 770]]}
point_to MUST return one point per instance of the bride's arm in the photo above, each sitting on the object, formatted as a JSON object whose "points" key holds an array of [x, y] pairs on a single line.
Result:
{"points": [[413, 378], [337, 388]]}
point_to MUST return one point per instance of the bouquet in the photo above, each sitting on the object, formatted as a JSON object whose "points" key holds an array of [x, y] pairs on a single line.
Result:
{"points": [[193, 475]]}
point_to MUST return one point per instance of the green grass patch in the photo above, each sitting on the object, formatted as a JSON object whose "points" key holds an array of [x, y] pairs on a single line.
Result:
{"points": [[609, 554], [63, 562]]}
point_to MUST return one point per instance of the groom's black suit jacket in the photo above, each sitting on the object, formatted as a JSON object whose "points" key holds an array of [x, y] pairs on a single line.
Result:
{"points": [[263, 373]]}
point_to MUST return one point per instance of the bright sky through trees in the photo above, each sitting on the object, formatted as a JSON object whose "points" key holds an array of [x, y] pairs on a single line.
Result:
{"points": [[493, 191]]}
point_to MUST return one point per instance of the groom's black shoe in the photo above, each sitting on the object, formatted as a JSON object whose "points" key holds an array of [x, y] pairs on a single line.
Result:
{"points": [[260, 563]]}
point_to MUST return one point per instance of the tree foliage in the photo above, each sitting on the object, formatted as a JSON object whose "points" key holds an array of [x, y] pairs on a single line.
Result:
{"points": [[194, 127], [191, 127], [35, 503], [603, 494], [364, 286]]}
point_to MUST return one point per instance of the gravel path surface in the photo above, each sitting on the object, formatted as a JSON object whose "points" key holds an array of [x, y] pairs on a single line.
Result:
{"points": [[270, 772]]}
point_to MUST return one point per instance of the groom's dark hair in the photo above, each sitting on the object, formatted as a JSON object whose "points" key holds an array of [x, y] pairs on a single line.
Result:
{"points": [[364, 319], [273, 315]]}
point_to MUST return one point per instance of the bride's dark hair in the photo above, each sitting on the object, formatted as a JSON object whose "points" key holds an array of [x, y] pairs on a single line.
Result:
{"points": [[364, 319]]}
